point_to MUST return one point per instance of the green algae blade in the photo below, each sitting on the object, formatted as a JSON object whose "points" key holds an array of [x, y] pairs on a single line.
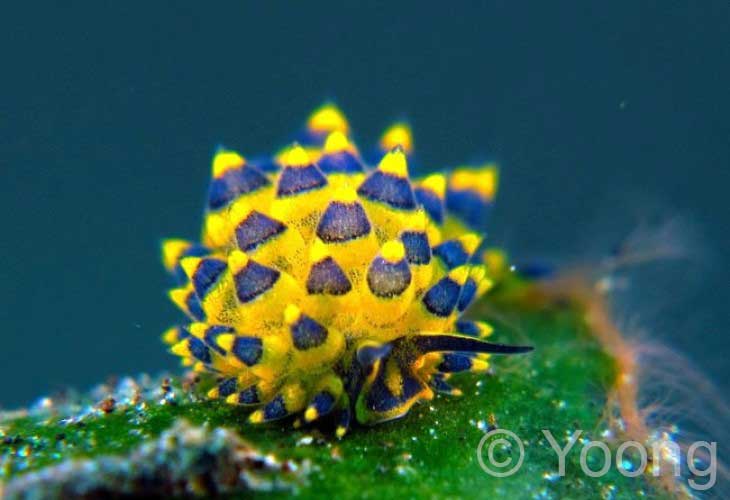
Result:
{"points": [[562, 386]]}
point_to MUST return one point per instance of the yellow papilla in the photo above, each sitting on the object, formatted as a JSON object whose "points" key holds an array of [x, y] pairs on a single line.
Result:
{"points": [[393, 251], [225, 160], [328, 118], [337, 142], [482, 180], [436, 183], [394, 163], [172, 249], [398, 134]]}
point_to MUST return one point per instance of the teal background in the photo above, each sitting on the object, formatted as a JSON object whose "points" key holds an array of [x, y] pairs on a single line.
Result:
{"points": [[600, 114]]}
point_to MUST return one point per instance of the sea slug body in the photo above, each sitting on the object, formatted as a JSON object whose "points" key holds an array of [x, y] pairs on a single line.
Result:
{"points": [[324, 286]]}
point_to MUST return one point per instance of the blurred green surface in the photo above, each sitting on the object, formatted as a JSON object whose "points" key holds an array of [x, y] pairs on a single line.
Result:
{"points": [[430, 453]]}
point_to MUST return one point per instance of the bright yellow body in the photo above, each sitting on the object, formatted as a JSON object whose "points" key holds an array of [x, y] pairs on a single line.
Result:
{"points": [[324, 286]]}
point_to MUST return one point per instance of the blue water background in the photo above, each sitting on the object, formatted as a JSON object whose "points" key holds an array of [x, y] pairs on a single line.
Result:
{"points": [[600, 114]]}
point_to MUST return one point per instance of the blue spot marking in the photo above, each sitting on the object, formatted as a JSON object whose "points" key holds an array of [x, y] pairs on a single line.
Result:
{"points": [[411, 386], [198, 350], [442, 297], [249, 396], [468, 291], [257, 229], [433, 205], [206, 275], [368, 355], [275, 409], [307, 333], [418, 251], [253, 280], [327, 277], [343, 222], [453, 363], [468, 206], [323, 403], [194, 250], [233, 183], [192, 303], [182, 333], [451, 253], [439, 384], [467, 327], [265, 164], [536, 270], [311, 138], [344, 420], [388, 279], [211, 334], [381, 399], [248, 349], [341, 162], [390, 189], [227, 387], [295, 180]]}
